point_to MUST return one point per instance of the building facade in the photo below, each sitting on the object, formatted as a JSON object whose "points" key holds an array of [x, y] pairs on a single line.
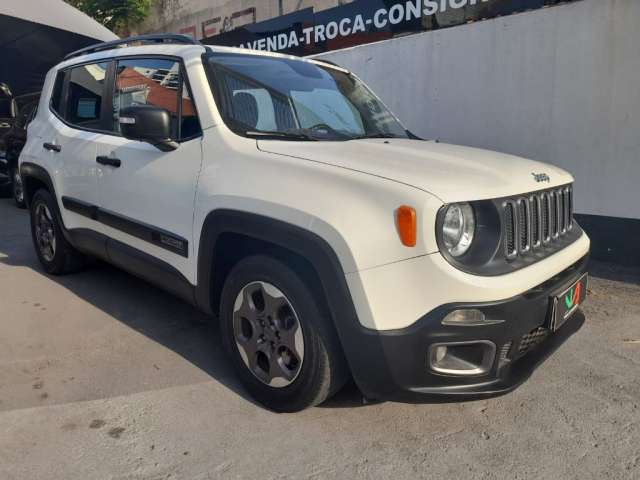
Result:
{"points": [[206, 18], [550, 80]]}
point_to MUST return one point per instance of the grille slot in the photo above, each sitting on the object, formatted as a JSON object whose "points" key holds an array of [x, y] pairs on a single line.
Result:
{"points": [[510, 230], [562, 209], [524, 223], [546, 208], [539, 219], [536, 221], [570, 206], [553, 215]]}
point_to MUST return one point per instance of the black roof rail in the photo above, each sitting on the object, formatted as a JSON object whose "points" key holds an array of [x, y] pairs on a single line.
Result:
{"points": [[151, 38]]}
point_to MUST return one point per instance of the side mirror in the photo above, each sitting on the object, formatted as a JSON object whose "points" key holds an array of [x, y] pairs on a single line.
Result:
{"points": [[147, 123]]}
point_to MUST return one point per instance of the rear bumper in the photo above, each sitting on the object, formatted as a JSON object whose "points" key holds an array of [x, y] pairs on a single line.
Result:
{"points": [[393, 364]]}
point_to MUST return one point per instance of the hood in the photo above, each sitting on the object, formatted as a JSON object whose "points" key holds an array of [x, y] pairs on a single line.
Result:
{"points": [[450, 172]]}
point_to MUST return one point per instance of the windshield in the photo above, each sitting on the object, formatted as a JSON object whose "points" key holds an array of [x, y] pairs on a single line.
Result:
{"points": [[295, 99]]}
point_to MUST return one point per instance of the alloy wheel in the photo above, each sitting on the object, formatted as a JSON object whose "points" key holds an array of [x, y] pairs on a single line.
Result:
{"points": [[18, 190], [268, 334], [45, 232]]}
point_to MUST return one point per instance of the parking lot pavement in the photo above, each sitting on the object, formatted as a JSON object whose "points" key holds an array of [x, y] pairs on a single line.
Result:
{"points": [[103, 376]]}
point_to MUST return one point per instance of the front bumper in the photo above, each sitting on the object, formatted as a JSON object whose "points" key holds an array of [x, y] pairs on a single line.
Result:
{"points": [[393, 364]]}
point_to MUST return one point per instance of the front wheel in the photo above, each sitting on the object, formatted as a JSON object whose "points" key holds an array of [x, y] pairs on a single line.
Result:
{"points": [[282, 344]]}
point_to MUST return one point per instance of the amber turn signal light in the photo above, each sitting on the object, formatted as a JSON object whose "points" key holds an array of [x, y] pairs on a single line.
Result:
{"points": [[407, 225]]}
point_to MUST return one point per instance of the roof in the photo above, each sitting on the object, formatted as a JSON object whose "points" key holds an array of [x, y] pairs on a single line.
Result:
{"points": [[185, 51], [173, 50]]}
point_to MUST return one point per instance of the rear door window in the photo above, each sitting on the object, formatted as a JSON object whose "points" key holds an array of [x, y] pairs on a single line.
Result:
{"points": [[85, 94]]}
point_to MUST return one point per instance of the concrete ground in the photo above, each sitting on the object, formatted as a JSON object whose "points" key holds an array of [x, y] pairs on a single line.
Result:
{"points": [[103, 376]]}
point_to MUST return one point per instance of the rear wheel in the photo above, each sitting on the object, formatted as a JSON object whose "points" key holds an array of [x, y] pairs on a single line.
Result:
{"points": [[56, 255], [17, 188], [282, 345]]}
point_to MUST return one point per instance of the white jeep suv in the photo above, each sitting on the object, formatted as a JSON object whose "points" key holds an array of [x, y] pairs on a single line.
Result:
{"points": [[281, 196]]}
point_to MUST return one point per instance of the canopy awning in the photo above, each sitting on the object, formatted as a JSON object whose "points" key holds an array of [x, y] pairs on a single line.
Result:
{"points": [[37, 34]]}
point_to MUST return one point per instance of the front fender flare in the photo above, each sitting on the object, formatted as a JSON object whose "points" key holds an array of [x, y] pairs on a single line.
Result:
{"points": [[316, 251]]}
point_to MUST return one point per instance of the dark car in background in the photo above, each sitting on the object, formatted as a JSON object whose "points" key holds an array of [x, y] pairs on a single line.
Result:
{"points": [[7, 113], [16, 114]]}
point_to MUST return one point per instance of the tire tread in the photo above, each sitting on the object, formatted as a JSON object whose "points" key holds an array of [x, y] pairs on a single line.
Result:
{"points": [[329, 367]]}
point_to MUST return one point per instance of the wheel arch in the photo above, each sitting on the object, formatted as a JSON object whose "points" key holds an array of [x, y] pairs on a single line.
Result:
{"points": [[224, 227], [227, 233], [35, 177]]}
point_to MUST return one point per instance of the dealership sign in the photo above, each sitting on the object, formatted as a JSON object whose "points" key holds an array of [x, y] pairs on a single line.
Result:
{"points": [[306, 32]]}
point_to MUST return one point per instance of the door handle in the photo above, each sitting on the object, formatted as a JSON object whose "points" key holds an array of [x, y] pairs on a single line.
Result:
{"points": [[104, 160], [52, 147]]}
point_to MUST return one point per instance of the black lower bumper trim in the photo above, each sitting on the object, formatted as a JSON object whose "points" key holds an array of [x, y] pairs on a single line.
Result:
{"points": [[393, 365], [510, 377]]}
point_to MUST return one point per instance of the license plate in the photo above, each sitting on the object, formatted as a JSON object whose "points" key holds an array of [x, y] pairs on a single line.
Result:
{"points": [[565, 304]]}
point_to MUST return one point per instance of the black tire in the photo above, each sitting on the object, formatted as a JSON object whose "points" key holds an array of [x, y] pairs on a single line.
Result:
{"points": [[323, 369], [17, 189], [63, 258]]}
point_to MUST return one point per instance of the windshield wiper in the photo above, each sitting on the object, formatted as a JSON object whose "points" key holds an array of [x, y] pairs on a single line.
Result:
{"points": [[280, 135], [376, 135]]}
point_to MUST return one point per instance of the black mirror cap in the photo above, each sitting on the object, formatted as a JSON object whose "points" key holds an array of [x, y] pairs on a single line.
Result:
{"points": [[147, 123]]}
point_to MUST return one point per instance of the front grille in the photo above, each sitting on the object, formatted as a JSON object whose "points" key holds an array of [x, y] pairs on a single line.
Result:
{"points": [[531, 339], [536, 220]]}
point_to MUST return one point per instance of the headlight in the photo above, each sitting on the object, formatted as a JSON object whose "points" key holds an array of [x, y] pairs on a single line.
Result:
{"points": [[458, 228]]}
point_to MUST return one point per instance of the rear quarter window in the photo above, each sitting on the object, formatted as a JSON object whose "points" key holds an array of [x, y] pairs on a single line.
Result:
{"points": [[56, 95]]}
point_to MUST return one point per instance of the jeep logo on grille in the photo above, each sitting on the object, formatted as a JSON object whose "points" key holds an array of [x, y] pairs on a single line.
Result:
{"points": [[541, 177]]}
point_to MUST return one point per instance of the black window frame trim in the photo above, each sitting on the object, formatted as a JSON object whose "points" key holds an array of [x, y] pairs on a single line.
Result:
{"points": [[110, 85]]}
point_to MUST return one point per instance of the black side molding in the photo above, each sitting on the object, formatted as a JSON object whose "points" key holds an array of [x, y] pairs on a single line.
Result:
{"points": [[80, 207], [134, 261], [149, 233]]}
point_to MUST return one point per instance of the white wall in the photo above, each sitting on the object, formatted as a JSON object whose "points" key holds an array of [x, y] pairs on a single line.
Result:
{"points": [[561, 85]]}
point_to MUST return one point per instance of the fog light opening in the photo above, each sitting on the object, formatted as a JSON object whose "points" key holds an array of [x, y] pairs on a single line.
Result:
{"points": [[462, 358], [468, 317], [441, 352]]}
